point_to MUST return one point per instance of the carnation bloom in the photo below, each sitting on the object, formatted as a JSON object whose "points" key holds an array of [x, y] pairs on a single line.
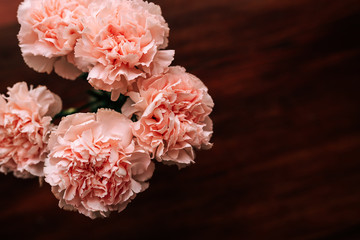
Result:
{"points": [[48, 33], [94, 165], [121, 42], [173, 110], [25, 122]]}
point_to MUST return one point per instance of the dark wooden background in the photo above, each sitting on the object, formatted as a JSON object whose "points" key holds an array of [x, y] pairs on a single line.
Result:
{"points": [[285, 78]]}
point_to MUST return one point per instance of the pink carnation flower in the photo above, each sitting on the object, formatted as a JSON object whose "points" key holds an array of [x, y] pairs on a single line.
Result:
{"points": [[25, 122], [94, 165], [121, 42], [48, 33], [173, 110]]}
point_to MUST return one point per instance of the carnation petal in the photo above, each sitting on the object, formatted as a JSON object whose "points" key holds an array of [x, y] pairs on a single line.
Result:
{"points": [[24, 129], [162, 60], [117, 125], [48, 32], [117, 49], [90, 163], [66, 70], [40, 63], [173, 110]]}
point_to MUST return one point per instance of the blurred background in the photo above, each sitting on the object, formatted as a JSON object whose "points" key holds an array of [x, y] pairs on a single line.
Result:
{"points": [[285, 79]]}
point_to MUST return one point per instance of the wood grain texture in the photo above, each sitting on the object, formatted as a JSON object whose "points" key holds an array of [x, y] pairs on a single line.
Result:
{"points": [[285, 79]]}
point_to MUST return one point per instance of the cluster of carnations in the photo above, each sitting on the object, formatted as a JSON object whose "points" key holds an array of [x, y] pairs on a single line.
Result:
{"points": [[96, 162]]}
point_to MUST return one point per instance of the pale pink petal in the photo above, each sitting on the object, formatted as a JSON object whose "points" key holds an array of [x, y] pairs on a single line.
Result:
{"points": [[66, 70], [162, 60], [117, 125], [25, 124], [128, 109], [40, 63], [94, 165], [49, 31], [120, 42], [173, 110], [50, 103]]}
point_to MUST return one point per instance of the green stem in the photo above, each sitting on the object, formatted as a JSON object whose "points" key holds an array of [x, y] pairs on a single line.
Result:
{"points": [[98, 99], [70, 111]]}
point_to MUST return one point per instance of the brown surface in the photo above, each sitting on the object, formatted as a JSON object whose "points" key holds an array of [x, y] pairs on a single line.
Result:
{"points": [[285, 79]]}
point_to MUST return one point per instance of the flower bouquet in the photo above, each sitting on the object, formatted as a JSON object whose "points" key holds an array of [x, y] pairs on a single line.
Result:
{"points": [[141, 110]]}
